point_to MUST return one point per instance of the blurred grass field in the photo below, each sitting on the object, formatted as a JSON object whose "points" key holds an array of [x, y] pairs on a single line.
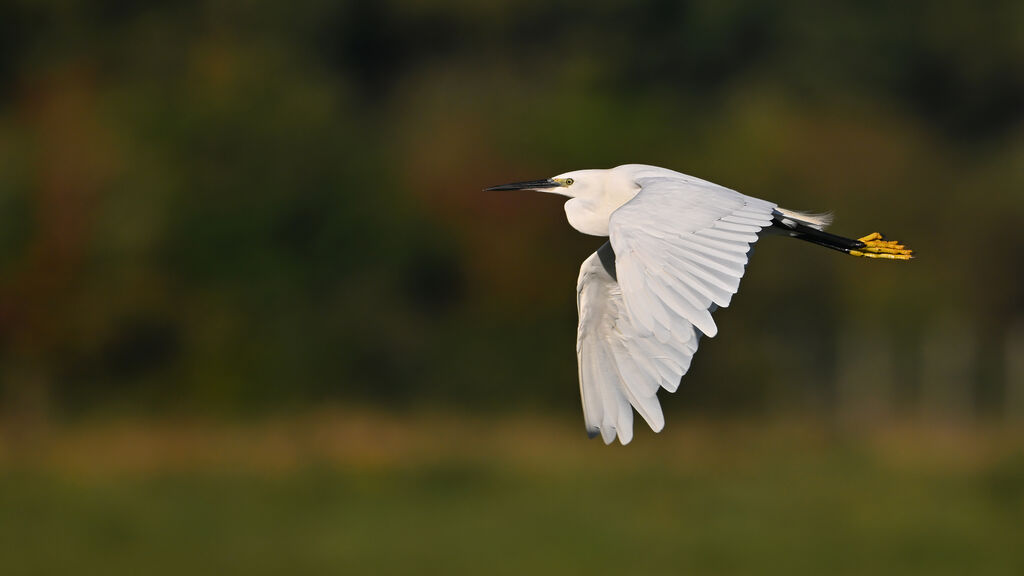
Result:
{"points": [[360, 492]]}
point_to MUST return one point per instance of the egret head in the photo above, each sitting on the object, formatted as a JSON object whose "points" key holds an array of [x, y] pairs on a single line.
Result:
{"points": [[593, 195], [571, 184]]}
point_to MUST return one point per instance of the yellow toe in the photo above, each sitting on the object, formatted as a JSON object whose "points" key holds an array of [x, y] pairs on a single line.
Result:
{"points": [[876, 246]]}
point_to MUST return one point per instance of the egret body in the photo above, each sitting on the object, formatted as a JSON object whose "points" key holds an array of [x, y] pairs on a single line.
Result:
{"points": [[677, 248]]}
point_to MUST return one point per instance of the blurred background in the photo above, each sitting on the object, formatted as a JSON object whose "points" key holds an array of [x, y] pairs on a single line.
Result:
{"points": [[256, 315]]}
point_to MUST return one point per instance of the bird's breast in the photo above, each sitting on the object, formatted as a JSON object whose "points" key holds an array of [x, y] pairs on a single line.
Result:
{"points": [[586, 217], [591, 215]]}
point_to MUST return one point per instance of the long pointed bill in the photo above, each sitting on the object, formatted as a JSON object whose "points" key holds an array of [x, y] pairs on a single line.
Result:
{"points": [[531, 185]]}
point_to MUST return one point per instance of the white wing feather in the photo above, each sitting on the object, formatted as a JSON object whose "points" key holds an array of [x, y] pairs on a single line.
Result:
{"points": [[681, 246], [680, 249]]}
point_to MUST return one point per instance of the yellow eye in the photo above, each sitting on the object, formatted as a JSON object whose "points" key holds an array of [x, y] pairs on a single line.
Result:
{"points": [[568, 181]]}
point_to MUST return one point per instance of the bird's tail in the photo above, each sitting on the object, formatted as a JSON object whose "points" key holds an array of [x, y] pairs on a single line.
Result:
{"points": [[814, 220], [810, 228]]}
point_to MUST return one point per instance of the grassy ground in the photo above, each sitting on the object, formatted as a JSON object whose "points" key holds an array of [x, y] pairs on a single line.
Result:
{"points": [[359, 493]]}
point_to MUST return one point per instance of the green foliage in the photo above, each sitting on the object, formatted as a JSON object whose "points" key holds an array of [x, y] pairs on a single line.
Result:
{"points": [[232, 207]]}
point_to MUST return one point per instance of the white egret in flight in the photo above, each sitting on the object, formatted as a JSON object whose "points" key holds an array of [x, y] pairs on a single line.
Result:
{"points": [[677, 248]]}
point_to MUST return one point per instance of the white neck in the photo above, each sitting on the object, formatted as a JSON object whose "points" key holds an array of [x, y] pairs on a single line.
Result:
{"points": [[589, 212]]}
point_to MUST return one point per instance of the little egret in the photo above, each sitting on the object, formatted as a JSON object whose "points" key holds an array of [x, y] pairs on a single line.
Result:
{"points": [[677, 248]]}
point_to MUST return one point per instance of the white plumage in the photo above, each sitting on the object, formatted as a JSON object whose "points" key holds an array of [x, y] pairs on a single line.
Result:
{"points": [[680, 248], [677, 249]]}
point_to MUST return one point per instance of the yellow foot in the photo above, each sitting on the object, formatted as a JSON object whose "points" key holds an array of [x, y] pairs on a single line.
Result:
{"points": [[876, 246]]}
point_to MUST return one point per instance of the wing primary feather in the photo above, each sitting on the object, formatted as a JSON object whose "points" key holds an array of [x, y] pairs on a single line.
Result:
{"points": [[736, 218], [726, 284], [728, 235], [737, 249], [733, 227], [646, 405]]}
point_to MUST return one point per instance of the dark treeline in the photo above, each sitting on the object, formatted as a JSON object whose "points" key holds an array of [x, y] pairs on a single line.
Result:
{"points": [[235, 207]]}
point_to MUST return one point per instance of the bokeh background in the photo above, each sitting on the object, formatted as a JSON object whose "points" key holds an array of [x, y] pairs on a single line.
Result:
{"points": [[257, 317]]}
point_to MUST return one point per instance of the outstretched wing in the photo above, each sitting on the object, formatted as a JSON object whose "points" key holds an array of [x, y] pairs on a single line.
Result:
{"points": [[681, 245], [619, 366], [680, 248], [607, 346]]}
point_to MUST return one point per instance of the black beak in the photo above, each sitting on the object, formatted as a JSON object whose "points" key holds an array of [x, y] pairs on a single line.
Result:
{"points": [[531, 185]]}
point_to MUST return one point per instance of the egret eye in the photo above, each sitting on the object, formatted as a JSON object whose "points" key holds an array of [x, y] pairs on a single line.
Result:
{"points": [[568, 181]]}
